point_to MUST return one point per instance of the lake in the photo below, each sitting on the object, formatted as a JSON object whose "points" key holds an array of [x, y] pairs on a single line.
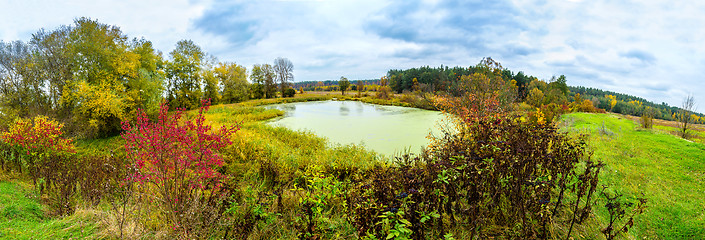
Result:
{"points": [[384, 129]]}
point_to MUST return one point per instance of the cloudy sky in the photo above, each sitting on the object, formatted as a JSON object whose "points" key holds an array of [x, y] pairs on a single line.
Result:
{"points": [[651, 49]]}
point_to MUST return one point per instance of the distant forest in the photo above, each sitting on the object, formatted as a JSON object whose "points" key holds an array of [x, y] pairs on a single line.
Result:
{"points": [[530, 89]]}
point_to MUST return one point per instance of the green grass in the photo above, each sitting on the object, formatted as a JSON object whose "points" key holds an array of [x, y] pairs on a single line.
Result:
{"points": [[22, 216], [667, 170]]}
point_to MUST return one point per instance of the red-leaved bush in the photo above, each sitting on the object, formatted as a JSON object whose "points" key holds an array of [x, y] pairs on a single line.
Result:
{"points": [[177, 158], [39, 134], [41, 139]]}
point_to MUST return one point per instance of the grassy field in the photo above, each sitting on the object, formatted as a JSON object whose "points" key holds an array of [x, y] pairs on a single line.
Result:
{"points": [[667, 170], [23, 216]]}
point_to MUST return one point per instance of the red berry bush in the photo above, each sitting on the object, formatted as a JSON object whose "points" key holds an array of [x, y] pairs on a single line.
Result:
{"points": [[177, 159]]}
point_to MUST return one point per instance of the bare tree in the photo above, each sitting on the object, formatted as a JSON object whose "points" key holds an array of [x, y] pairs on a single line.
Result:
{"points": [[284, 71], [685, 116]]}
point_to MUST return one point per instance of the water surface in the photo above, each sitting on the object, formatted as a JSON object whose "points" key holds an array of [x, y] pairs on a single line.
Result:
{"points": [[384, 129]]}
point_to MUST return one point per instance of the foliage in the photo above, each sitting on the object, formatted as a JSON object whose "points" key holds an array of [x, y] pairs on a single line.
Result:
{"points": [[39, 146], [359, 86], [234, 80], [583, 105], [499, 177], [647, 118], [318, 195], [384, 92], [50, 161], [612, 101], [627, 104], [535, 97], [211, 86], [483, 94], [344, 84], [264, 75], [184, 75], [289, 92], [178, 158], [38, 134]]}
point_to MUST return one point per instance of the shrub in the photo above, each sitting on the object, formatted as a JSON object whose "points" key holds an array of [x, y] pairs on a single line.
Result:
{"points": [[178, 159], [384, 92], [501, 177], [36, 142], [289, 92], [50, 159]]}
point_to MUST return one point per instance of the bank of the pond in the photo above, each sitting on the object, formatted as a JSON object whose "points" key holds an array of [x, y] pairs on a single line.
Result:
{"points": [[399, 100]]}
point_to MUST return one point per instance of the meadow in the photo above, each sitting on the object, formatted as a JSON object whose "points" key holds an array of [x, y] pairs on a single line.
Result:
{"points": [[653, 163]]}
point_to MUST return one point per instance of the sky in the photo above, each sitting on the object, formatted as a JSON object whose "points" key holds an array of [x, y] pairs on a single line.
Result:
{"points": [[650, 49]]}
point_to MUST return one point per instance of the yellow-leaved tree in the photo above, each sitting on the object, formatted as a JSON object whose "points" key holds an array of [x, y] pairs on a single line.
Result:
{"points": [[112, 78], [233, 77]]}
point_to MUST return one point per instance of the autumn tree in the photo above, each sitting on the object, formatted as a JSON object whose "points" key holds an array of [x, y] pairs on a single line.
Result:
{"points": [[360, 85], [535, 97], [343, 83], [234, 80], [559, 83], [384, 91], [685, 116], [145, 90], [184, 75], [612, 101], [212, 85], [284, 70], [481, 94], [39, 138], [110, 75], [264, 74]]}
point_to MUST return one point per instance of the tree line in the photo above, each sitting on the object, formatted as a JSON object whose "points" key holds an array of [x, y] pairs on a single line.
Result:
{"points": [[630, 105], [536, 92], [91, 77]]}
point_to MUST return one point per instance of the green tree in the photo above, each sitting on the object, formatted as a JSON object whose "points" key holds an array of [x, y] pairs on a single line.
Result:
{"points": [[184, 75], [145, 90], [234, 80], [343, 83], [264, 74], [103, 68], [559, 83], [211, 84]]}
